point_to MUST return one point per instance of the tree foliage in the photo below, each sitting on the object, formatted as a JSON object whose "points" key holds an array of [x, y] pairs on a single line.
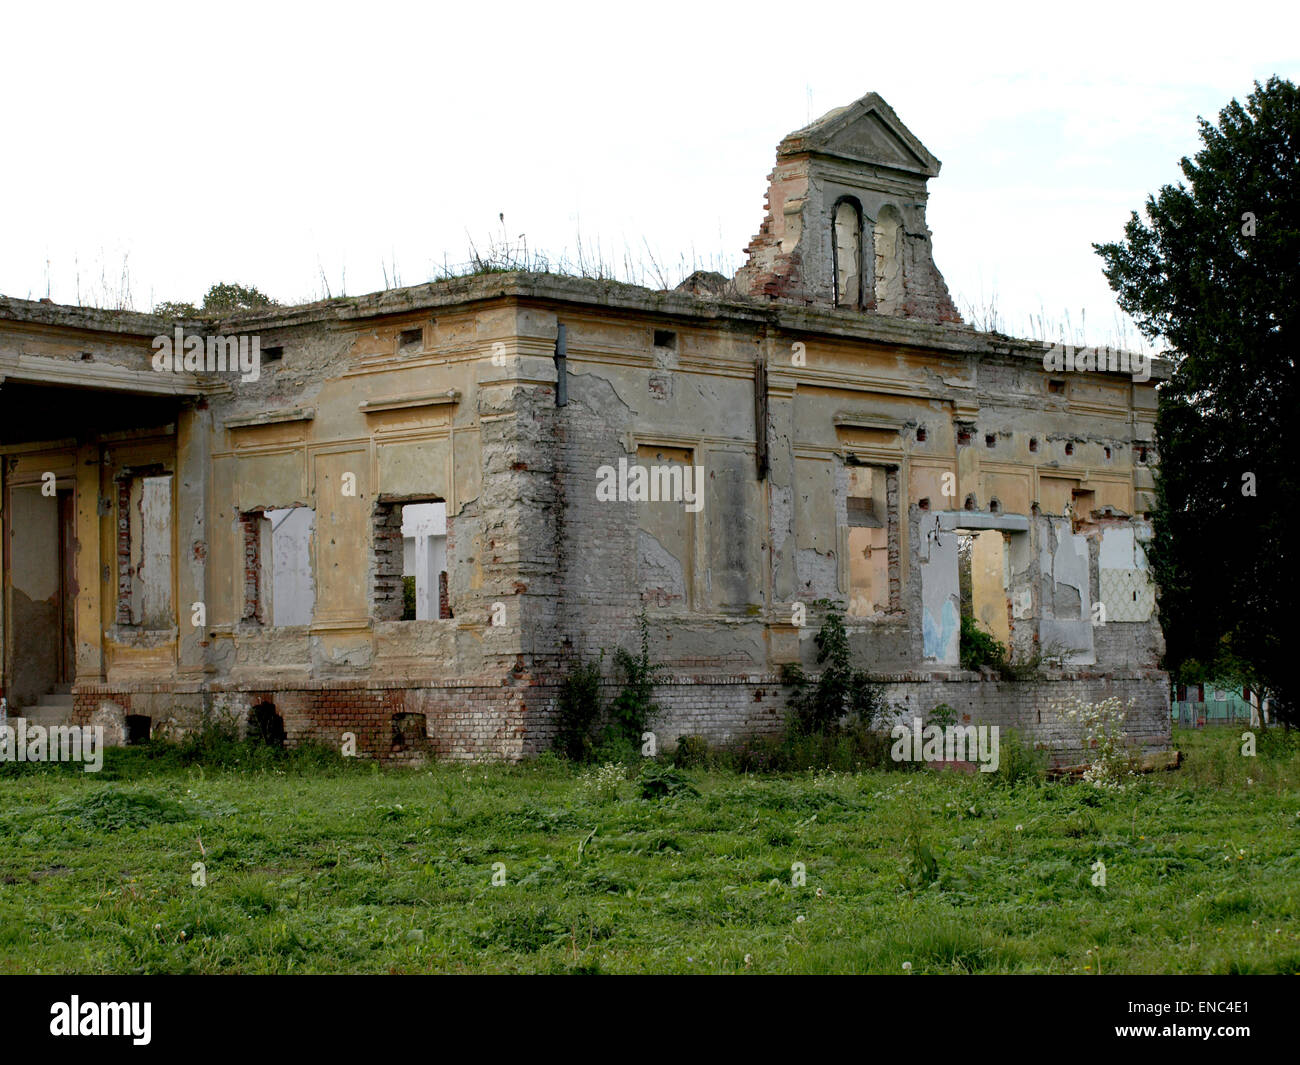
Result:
{"points": [[579, 710], [221, 298], [632, 709], [840, 690], [980, 648], [1212, 272]]}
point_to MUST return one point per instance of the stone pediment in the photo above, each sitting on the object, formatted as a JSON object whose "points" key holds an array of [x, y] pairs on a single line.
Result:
{"points": [[866, 131]]}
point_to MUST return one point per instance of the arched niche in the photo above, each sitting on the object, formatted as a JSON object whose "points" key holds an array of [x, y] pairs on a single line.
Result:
{"points": [[888, 244], [846, 251]]}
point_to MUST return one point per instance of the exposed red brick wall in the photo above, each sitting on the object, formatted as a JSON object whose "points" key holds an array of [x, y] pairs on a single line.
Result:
{"points": [[124, 551], [386, 562], [85, 703], [487, 721], [252, 528], [462, 722], [444, 603]]}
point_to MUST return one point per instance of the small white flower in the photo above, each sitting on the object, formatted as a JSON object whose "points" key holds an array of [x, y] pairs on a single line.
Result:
{"points": [[800, 919], [749, 959], [907, 966], [1020, 828]]}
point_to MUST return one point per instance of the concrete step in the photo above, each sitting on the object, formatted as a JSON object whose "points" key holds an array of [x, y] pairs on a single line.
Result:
{"points": [[42, 715], [57, 698], [62, 689]]}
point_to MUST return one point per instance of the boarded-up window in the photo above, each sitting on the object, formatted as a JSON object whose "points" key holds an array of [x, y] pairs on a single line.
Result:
{"points": [[990, 602], [1055, 495], [666, 528], [289, 576], [145, 552], [279, 587], [870, 525]]}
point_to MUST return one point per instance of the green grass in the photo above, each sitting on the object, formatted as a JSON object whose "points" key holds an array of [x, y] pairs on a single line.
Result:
{"points": [[314, 865]]}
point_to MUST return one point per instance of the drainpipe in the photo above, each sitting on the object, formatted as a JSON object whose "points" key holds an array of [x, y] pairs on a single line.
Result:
{"points": [[562, 374]]}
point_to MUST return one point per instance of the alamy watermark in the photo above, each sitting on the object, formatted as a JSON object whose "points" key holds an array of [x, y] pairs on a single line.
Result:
{"points": [[214, 354], [634, 483], [950, 743], [77, 1018], [21, 742], [1064, 358]]}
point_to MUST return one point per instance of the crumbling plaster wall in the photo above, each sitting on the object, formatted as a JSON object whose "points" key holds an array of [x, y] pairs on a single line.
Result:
{"points": [[1065, 595], [526, 529], [355, 408], [617, 398], [632, 400], [42, 330], [863, 155], [791, 259]]}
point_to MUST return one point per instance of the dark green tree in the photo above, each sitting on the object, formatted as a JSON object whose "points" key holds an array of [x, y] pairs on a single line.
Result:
{"points": [[221, 298], [841, 690], [632, 709], [1212, 272], [176, 309]]}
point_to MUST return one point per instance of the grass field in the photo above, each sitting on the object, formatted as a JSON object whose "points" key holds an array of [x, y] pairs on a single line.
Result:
{"points": [[313, 866]]}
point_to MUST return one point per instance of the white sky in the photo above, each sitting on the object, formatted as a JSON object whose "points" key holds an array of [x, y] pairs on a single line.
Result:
{"points": [[272, 145]]}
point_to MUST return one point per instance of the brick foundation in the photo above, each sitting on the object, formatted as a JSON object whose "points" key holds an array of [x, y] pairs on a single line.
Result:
{"points": [[484, 722]]}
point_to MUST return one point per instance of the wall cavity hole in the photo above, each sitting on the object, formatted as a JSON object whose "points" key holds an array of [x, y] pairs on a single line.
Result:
{"points": [[409, 730], [265, 725]]}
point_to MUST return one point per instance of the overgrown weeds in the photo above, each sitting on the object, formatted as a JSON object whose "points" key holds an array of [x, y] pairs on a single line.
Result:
{"points": [[588, 729]]}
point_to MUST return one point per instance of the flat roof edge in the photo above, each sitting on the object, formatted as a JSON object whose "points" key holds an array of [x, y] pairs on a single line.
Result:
{"points": [[556, 288]]}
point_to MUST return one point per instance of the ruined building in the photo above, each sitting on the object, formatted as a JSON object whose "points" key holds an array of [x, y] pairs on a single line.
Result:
{"points": [[183, 541]]}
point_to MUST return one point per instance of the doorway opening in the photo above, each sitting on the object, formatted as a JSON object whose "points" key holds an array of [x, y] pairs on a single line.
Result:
{"points": [[40, 559]]}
